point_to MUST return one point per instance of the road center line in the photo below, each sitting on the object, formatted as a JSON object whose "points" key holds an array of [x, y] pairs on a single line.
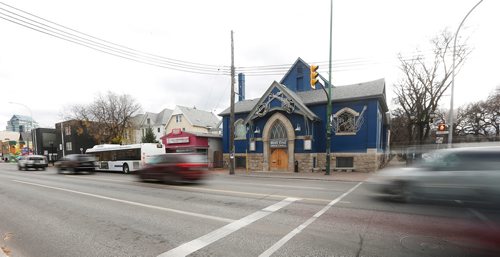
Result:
{"points": [[196, 244], [199, 215], [297, 230], [201, 189]]}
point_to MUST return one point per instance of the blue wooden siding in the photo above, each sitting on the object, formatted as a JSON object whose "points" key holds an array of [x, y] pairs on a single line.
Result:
{"points": [[372, 134]]}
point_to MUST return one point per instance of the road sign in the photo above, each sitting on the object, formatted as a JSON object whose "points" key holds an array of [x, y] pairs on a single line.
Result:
{"points": [[439, 140], [442, 132]]}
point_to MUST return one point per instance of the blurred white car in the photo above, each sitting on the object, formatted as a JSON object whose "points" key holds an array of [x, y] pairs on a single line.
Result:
{"points": [[465, 174], [32, 161]]}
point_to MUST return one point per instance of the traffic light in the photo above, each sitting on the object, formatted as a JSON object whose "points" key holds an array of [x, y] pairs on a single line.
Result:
{"points": [[441, 127], [314, 76]]}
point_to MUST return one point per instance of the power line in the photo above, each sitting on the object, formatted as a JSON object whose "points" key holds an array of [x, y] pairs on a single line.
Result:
{"points": [[128, 53], [121, 51], [102, 40]]}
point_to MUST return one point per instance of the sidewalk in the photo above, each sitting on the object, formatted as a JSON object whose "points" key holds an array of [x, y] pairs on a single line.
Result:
{"points": [[334, 175]]}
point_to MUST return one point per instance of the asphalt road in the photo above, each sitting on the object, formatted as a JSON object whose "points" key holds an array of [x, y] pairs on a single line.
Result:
{"points": [[109, 214]]}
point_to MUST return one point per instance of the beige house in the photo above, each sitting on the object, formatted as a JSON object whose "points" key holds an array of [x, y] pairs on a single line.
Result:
{"points": [[140, 122], [193, 120]]}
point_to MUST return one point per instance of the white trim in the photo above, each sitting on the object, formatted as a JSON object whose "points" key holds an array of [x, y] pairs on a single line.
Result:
{"points": [[346, 109]]}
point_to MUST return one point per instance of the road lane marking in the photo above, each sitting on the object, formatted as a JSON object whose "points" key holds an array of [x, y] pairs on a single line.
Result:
{"points": [[230, 183], [297, 230], [194, 214], [203, 241], [200, 189]]}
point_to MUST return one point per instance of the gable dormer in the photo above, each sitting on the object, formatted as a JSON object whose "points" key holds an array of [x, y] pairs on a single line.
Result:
{"points": [[297, 77]]}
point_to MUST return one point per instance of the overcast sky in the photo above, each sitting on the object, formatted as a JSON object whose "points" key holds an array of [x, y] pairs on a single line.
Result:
{"points": [[48, 74]]}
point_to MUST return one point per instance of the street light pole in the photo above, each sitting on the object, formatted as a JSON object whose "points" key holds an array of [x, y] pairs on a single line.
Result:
{"points": [[31, 122], [450, 117]]}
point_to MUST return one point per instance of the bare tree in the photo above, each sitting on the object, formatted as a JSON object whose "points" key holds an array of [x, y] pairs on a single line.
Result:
{"points": [[471, 120], [480, 119], [108, 117], [425, 81], [492, 107]]}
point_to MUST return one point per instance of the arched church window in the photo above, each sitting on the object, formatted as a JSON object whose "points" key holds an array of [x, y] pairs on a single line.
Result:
{"points": [[278, 130], [240, 131]]}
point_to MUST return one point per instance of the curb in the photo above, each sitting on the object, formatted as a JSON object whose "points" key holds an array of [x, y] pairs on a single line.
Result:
{"points": [[291, 177]]}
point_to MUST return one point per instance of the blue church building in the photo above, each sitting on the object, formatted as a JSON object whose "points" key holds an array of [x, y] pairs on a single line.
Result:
{"points": [[287, 126]]}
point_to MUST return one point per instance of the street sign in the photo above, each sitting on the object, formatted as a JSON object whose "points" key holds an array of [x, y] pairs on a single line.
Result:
{"points": [[442, 132], [439, 140]]}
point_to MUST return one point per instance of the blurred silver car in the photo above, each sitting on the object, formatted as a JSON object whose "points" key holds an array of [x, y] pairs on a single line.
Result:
{"points": [[460, 174], [32, 161]]}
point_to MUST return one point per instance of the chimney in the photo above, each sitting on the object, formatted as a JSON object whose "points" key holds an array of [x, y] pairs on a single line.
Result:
{"points": [[241, 87]]}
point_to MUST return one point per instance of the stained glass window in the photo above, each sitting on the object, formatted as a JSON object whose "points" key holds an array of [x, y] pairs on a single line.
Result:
{"points": [[346, 123], [278, 130]]}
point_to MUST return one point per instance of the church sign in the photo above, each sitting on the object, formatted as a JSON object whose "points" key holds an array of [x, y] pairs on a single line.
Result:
{"points": [[278, 143]]}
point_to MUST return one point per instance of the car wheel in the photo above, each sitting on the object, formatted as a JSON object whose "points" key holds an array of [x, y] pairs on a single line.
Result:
{"points": [[125, 168], [171, 179], [402, 191], [43, 168], [59, 171], [19, 167]]}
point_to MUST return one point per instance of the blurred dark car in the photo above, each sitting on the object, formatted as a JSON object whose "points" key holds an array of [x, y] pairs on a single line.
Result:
{"points": [[175, 168], [76, 163], [32, 161], [469, 174]]}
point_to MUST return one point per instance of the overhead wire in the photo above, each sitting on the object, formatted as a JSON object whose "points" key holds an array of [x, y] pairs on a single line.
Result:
{"points": [[128, 53], [122, 52], [122, 46]]}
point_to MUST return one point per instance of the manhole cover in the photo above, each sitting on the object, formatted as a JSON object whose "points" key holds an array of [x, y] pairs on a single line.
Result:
{"points": [[431, 246]]}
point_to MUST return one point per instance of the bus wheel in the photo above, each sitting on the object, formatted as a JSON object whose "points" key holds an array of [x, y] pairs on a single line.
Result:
{"points": [[126, 170]]}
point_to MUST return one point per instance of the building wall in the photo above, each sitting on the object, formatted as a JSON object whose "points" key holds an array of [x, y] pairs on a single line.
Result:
{"points": [[83, 141], [366, 146], [45, 143], [316, 162], [184, 125], [298, 78], [15, 122], [139, 133]]}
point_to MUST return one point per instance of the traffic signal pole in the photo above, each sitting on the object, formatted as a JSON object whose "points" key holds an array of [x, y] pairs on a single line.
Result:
{"points": [[329, 99], [231, 115]]}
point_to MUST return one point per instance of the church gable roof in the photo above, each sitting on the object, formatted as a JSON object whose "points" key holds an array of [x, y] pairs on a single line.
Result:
{"points": [[279, 97], [365, 90]]}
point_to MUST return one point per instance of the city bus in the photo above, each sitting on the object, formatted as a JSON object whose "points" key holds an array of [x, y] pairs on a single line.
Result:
{"points": [[124, 158]]}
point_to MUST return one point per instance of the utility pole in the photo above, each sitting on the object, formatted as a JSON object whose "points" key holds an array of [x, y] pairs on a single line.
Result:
{"points": [[329, 99], [231, 116], [450, 116]]}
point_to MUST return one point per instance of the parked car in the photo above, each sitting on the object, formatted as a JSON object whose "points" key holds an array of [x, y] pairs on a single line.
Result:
{"points": [[460, 174], [175, 168], [32, 161], [76, 163]]}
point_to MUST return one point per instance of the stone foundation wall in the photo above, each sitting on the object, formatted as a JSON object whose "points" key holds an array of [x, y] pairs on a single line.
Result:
{"points": [[255, 160], [363, 162]]}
